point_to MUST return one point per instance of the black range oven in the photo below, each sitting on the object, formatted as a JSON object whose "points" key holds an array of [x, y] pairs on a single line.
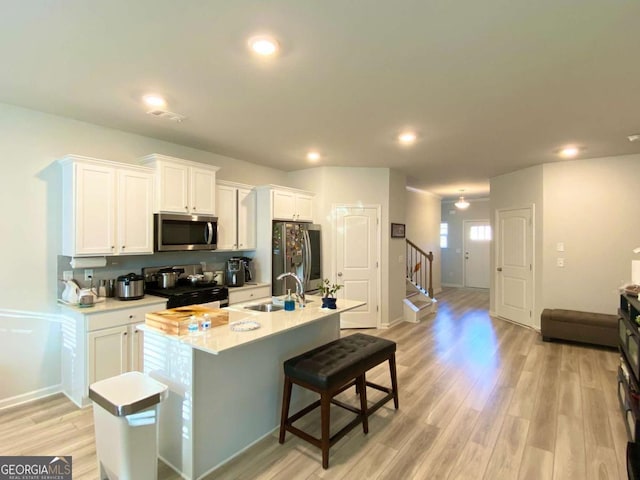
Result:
{"points": [[184, 292]]}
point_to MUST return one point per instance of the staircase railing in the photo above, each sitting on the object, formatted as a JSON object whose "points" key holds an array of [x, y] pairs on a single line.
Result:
{"points": [[417, 273]]}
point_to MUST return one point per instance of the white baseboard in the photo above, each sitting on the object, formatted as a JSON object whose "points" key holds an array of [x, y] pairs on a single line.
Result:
{"points": [[29, 396]]}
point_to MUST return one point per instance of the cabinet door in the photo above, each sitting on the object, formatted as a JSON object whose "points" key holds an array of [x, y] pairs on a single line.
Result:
{"points": [[135, 212], [94, 206], [226, 213], [108, 353], [173, 183], [136, 350], [246, 219], [284, 204], [203, 191], [304, 208]]}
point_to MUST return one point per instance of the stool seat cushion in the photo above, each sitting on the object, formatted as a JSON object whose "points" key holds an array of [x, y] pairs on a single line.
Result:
{"points": [[334, 363]]}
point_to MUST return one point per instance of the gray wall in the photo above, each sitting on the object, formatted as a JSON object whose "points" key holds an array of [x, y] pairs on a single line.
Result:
{"points": [[30, 142], [452, 256], [366, 186], [423, 227], [591, 207], [519, 190]]}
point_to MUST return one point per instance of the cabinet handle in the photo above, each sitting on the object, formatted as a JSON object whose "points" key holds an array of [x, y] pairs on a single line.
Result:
{"points": [[122, 247], [130, 316], [186, 208], [124, 333], [194, 209], [113, 247]]}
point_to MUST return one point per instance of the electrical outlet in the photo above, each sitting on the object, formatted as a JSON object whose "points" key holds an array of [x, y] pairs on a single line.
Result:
{"points": [[560, 247], [560, 262], [67, 275], [88, 274]]}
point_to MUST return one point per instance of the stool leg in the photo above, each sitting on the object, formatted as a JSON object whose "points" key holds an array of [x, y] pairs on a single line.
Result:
{"points": [[394, 379], [325, 404], [361, 382], [286, 400]]}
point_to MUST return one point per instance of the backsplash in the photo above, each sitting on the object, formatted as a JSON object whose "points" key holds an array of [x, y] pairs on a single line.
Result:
{"points": [[122, 265]]}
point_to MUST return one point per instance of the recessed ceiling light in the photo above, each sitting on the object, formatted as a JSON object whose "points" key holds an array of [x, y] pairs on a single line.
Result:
{"points": [[313, 156], [263, 45], [569, 151], [154, 100], [407, 138]]}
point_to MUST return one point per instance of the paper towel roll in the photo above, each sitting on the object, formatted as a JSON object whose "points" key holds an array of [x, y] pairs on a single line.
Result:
{"points": [[635, 272], [88, 262]]}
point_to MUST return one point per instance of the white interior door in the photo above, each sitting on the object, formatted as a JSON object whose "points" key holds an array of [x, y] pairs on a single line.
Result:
{"points": [[514, 265], [357, 260], [477, 241]]}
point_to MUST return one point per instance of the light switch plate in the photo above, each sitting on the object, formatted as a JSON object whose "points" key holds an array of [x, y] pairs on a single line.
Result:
{"points": [[560, 246]]}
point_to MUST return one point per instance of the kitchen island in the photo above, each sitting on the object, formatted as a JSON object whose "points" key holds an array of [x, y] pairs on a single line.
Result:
{"points": [[225, 386]]}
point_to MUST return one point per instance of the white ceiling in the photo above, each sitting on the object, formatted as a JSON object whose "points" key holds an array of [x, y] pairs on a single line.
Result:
{"points": [[490, 86]]}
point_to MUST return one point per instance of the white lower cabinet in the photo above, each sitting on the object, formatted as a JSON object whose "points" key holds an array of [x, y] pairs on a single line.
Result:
{"points": [[101, 345], [248, 294]]}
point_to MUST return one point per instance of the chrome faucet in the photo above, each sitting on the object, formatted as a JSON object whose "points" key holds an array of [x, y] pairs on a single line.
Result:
{"points": [[299, 287]]}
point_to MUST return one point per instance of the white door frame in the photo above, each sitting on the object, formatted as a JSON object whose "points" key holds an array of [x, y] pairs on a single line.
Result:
{"points": [[496, 236], [464, 247], [334, 242]]}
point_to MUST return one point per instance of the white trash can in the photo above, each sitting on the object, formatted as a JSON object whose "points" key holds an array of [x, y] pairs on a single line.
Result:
{"points": [[125, 414]]}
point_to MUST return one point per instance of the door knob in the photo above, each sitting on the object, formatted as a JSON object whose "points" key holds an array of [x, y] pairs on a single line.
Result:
{"points": [[499, 269], [339, 274]]}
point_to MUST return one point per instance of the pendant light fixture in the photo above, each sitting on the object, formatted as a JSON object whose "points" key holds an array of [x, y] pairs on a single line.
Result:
{"points": [[462, 204]]}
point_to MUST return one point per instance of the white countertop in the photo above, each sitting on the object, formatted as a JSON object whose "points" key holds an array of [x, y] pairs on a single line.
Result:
{"points": [[248, 286], [110, 304], [222, 338]]}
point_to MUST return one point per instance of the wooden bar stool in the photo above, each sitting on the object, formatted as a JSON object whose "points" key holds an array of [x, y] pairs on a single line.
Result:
{"points": [[329, 370]]}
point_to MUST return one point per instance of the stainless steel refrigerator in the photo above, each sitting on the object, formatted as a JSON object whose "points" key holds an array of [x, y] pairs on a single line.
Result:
{"points": [[296, 247]]}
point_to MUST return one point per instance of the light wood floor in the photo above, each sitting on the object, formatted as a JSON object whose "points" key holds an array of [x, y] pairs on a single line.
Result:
{"points": [[480, 398]]}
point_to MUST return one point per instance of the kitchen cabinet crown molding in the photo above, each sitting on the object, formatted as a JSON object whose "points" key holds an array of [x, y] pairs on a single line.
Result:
{"points": [[154, 157], [288, 189], [230, 183], [71, 158]]}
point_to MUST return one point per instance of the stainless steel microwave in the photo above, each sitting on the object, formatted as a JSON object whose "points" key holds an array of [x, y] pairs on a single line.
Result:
{"points": [[178, 232]]}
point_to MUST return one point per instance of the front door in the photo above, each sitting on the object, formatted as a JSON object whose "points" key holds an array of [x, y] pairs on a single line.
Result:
{"points": [[514, 265], [477, 238], [357, 260]]}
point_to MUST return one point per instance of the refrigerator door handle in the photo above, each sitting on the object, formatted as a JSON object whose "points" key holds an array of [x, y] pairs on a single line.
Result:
{"points": [[307, 250]]}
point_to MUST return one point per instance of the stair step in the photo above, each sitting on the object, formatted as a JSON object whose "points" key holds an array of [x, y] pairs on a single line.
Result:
{"points": [[412, 293], [422, 304]]}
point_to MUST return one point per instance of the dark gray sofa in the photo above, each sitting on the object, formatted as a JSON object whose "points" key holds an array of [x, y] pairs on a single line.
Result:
{"points": [[586, 327]]}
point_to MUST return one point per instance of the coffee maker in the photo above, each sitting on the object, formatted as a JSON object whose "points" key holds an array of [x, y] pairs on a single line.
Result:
{"points": [[235, 273], [248, 274]]}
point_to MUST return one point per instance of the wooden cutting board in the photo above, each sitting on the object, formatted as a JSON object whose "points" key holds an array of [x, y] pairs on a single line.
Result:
{"points": [[175, 321]]}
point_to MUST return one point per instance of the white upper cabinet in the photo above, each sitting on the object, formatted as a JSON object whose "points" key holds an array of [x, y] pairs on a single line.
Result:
{"points": [[134, 212], [183, 186], [236, 212], [292, 205], [107, 208], [246, 219], [227, 217]]}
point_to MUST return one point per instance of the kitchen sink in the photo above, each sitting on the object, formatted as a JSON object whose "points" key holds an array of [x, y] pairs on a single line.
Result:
{"points": [[265, 307]]}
